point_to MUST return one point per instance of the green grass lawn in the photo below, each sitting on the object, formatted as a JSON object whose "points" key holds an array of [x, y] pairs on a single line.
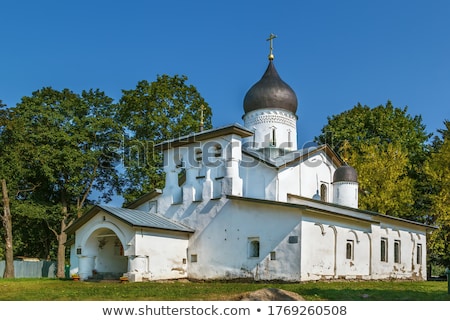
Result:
{"points": [[68, 290]]}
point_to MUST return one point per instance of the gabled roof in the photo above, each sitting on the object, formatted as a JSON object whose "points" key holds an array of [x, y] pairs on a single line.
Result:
{"points": [[144, 198], [350, 211], [335, 210], [294, 156], [205, 135], [134, 218]]}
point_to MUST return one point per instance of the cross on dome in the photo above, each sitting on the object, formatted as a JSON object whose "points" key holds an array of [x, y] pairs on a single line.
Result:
{"points": [[270, 39]]}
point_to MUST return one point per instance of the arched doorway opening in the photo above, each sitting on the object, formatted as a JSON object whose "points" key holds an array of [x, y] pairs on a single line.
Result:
{"points": [[107, 251]]}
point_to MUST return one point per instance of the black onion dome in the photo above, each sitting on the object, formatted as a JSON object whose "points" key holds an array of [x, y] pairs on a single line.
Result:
{"points": [[345, 173], [270, 92]]}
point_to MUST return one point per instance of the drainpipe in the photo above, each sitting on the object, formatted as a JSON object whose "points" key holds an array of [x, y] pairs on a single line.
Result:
{"points": [[370, 254], [335, 250]]}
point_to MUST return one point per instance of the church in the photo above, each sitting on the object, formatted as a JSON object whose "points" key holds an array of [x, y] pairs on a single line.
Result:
{"points": [[242, 202]]}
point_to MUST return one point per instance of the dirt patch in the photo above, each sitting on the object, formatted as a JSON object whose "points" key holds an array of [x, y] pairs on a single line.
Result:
{"points": [[270, 294]]}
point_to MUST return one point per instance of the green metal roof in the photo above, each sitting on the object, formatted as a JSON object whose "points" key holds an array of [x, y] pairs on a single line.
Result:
{"points": [[145, 219], [134, 218]]}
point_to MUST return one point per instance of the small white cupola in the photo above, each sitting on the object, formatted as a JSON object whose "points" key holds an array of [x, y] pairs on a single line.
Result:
{"points": [[345, 186]]}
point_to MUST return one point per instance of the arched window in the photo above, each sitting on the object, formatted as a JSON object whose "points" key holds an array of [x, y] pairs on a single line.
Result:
{"points": [[273, 138], [397, 251], [419, 254], [289, 138], [253, 247], [323, 192], [384, 249], [349, 250]]}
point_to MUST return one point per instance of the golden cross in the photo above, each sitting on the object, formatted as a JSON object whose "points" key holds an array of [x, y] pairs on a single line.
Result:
{"points": [[202, 108], [345, 149], [270, 39]]}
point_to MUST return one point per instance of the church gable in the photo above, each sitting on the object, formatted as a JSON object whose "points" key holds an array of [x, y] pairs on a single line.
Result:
{"points": [[307, 172]]}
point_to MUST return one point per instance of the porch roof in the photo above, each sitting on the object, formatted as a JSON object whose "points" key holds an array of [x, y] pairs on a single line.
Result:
{"points": [[135, 218]]}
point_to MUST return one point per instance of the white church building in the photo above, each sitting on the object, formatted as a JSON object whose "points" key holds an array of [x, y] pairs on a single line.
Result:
{"points": [[242, 202]]}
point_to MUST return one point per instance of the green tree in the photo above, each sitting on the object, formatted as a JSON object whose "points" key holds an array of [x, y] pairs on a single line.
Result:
{"points": [[384, 184], [392, 130], [17, 184], [7, 228], [151, 113], [65, 138], [438, 169], [7, 225]]}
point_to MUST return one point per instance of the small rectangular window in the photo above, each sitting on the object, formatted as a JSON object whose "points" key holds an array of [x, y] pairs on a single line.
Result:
{"points": [[384, 250], [193, 258], [273, 256], [419, 254], [349, 250], [293, 239], [397, 249]]}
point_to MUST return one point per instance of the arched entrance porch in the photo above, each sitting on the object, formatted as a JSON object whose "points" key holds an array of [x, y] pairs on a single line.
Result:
{"points": [[103, 256]]}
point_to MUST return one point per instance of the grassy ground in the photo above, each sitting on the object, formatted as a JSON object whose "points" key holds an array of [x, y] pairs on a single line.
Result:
{"points": [[68, 290]]}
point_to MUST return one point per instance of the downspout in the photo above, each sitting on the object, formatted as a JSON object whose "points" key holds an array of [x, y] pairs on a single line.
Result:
{"points": [[335, 250], [370, 254]]}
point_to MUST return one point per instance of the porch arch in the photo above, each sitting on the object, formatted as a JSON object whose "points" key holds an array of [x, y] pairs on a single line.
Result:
{"points": [[102, 252]]}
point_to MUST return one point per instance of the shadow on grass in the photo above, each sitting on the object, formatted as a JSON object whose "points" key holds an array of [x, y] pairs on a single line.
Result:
{"points": [[373, 295]]}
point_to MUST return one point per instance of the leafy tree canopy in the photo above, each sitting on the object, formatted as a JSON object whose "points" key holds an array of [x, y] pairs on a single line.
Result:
{"points": [[438, 169], [63, 135], [388, 147], [383, 183], [381, 125], [151, 113], [61, 138]]}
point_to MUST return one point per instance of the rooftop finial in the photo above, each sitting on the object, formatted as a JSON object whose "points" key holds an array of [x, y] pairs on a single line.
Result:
{"points": [[270, 39], [345, 149]]}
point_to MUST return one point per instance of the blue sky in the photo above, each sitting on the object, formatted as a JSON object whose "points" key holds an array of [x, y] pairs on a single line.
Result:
{"points": [[334, 54]]}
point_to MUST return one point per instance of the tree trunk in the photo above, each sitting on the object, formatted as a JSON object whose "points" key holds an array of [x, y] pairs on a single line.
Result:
{"points": [[7, 224], [62, 238]]}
